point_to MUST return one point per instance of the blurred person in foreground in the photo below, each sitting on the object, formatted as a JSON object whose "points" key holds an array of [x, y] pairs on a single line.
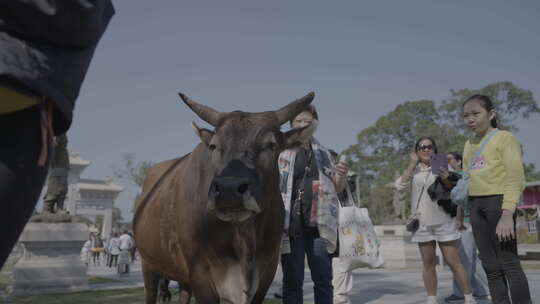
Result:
{"points": [[45, 50]]}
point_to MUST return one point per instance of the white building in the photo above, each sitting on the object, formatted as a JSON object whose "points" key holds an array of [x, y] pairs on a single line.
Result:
{"points": [[90, 197]]}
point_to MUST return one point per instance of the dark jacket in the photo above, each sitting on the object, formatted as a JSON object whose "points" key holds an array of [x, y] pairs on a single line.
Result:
{"points": [[438, 192], [46, 47]]}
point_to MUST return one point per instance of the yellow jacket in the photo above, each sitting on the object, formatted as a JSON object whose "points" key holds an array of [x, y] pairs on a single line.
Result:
{"points": [[498, 170]]}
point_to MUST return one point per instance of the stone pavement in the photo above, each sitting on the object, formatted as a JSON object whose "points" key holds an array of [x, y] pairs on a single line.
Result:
{"points": [[403, 286], [382, 286]]}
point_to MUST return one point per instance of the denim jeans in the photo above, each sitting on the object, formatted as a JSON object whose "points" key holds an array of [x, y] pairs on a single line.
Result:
{"points": [[500, 260], [293, 270], [471, 262]]}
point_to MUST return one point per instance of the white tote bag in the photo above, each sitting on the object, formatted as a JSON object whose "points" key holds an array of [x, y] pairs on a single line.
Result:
{"points": [[358, 243]]}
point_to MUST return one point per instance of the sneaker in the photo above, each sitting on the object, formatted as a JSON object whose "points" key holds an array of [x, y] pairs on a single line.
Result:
{"points": [[432, 300], [454, 299], [484, 297], [470, 301]]}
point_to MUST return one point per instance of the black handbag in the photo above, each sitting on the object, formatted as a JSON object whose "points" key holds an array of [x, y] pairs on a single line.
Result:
{"points": [[413, 223]]}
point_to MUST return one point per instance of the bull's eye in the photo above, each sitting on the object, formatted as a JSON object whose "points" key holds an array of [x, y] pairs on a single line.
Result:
{"points": [[270, 146]]}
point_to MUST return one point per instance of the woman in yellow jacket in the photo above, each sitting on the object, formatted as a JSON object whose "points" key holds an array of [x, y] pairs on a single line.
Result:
{"points": [[496, 183]]}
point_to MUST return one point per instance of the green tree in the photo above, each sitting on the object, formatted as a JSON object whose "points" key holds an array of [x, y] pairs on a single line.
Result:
{"points": [[531, 174], [511, 103], [133, 172], [381, 151]]}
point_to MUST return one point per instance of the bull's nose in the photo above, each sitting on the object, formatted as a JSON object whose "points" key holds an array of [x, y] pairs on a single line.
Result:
{"points": [[229, 187]]}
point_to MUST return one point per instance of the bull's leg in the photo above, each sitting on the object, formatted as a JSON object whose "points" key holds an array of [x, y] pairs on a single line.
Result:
{"points": [[261, 293], [261, 289], [202, 287], [268, 271], [151, 282], [165, 295]]}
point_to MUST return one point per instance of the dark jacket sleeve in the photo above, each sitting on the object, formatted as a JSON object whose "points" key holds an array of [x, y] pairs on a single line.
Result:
{"points": [[46, 47], [73, 23]]}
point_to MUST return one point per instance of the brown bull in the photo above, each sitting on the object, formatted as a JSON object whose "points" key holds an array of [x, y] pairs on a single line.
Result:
{"points": [[213, 219]]}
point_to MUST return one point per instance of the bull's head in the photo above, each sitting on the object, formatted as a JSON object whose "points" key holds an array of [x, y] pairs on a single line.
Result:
{"points": [[243, 150]]}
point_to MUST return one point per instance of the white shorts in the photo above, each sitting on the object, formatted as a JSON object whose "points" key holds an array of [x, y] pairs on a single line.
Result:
{"points": [[440, 233]]}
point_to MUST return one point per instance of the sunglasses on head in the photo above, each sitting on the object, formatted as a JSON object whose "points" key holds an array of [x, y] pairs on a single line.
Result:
{"points": [[424, 148]]}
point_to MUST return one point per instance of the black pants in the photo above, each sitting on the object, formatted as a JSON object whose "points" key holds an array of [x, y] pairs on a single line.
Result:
{"points": [[96, 255], [133, 251], [113, 260], [21, 179], [500, 259], [293, 270]]}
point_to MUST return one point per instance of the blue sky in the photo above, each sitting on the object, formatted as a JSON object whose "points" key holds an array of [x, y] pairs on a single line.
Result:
{"points": [[362, 58]]}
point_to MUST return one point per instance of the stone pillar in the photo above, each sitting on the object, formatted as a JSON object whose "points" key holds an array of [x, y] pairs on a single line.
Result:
{"points": [[107, 223], [51, 261]]}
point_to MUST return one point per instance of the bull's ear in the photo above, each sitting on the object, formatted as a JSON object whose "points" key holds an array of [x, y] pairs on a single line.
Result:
{"points": [[297, 136], [204, 134]]}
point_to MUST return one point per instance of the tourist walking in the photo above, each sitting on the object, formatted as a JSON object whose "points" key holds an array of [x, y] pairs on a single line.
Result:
{"points": [[114, 250], [125, 253], [97, 249], [86, 250]]}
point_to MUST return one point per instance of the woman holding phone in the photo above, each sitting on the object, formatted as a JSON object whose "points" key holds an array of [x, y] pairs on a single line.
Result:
{"points": [[496, 182], [436, 226]]}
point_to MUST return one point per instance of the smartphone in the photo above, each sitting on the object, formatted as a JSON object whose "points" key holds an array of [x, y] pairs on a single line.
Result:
{"points": [[438, 161]]}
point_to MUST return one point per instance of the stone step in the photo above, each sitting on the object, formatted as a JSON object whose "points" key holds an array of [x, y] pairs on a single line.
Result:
{"points": [[530, 256]]}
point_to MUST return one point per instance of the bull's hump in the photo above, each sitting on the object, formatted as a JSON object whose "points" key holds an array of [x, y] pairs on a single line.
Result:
{"points": [[156, 176]]}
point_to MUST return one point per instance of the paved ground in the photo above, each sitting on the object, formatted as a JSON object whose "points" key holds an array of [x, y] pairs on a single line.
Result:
{"points": [[382, 286], [404, 287], [371, 286], [133, 279]]}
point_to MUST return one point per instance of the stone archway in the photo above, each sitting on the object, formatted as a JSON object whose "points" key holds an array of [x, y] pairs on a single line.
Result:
{"points": [[91, 197]]}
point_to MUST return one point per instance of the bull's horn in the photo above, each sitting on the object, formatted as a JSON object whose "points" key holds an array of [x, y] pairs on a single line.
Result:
{"points": [[294, 108], [206, 113]]}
